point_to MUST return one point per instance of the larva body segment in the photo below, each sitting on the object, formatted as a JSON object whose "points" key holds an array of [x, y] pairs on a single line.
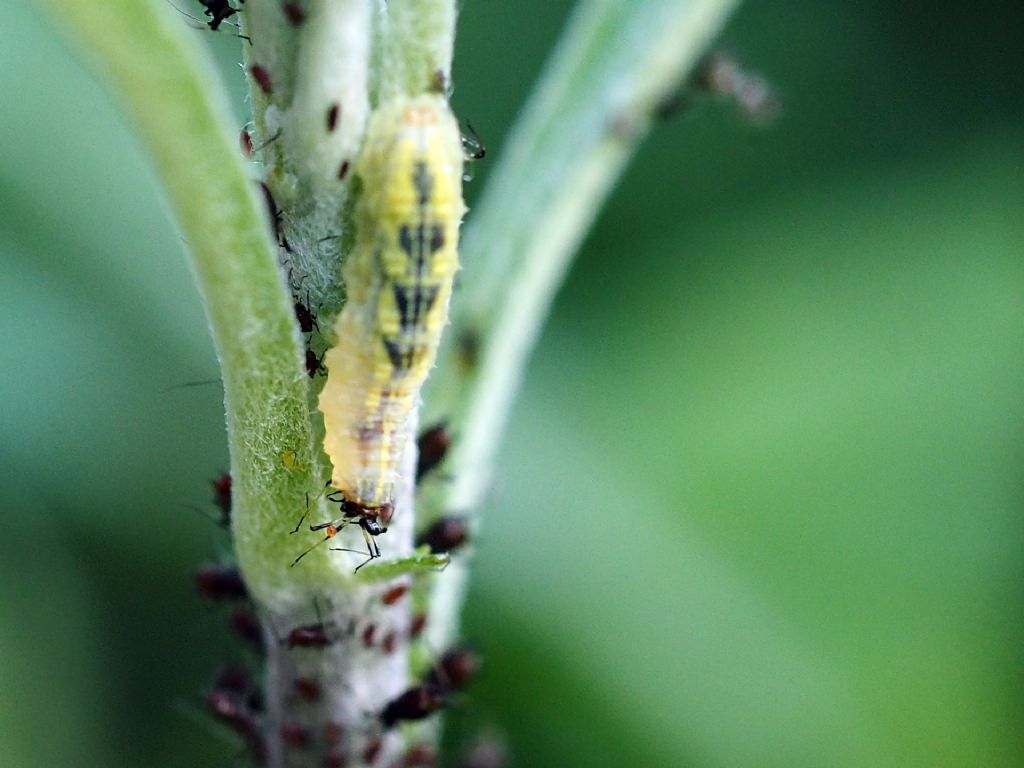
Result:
{"points": [[398, 279]]}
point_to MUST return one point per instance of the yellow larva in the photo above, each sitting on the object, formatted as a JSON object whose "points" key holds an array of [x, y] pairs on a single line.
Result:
{"points": [[398, 279]]}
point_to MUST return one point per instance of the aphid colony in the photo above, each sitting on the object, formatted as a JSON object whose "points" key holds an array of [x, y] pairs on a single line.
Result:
{"points": [[235, 700]]}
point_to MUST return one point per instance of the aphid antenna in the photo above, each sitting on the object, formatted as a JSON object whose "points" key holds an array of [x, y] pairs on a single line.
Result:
{"points": [[268, 142], [212, 518], [373, 551], [190, 385]]}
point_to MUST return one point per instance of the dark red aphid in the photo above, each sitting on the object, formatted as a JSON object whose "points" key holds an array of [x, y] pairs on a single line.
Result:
{"points": [[310, 636], [415, 704], [222, 497], [332, 116], [295, 735], [245, 142], [247, 626], [389, 643], [369, 635], [307, 688], [372, 751], [456, 669], [233, 678], [262, 77], [335, 759], [343, 170], [216, 582], [433, 444], [333, 733], [230, 708], [394, 594], [445, 534], [294, 13], [419, 756], [419, 621]]}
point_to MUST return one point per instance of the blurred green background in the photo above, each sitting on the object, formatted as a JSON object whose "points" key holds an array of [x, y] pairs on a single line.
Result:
{"points": [[760, 502]]}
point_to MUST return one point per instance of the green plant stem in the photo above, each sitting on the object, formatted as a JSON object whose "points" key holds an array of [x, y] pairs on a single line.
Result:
{"points": [[170, 89], [616, 62], [415, 55]]}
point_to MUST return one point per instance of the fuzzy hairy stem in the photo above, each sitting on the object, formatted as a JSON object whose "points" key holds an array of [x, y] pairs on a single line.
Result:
{"points": [[164, 79], [337, 59]]}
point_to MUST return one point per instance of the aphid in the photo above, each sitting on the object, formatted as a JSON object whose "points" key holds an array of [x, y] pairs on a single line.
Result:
{"points": [[233, 678], [343, 170], [245, 142], [332, 116], [439, 82], [416, 703], [416, 626], [369, 634], [722, 75], [307, 688], [216, 582], [394, 594], [305, 316], [289, 459], [445, 534], [399, 279], [372, 750], [419, 756], [335, 759], [333, 732], [433, 444], [314, 364], [389, 643], [468, 349], [472, 145], [245, 624], [294, 13], [230, 708], [276, 221], [456, 669], [295, 735], [218, 11], [222, 496], [310, 636], [262, 77]]}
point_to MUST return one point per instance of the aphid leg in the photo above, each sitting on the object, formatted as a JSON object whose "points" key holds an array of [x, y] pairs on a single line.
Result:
{"points": [[303, 518], [372, 549], [331, 533]]}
